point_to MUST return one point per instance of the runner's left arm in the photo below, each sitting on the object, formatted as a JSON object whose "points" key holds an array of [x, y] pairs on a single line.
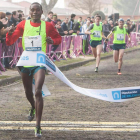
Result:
{"points": [[51, 32]]}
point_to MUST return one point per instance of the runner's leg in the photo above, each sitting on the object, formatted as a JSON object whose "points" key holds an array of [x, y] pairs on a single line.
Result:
{"points": [[99, 50], [39, 81], [94, 52], [121, 53], [27, 82], [116, 55]]}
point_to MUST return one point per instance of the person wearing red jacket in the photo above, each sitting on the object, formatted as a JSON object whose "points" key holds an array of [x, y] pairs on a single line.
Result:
{"points": [[27, 73]]}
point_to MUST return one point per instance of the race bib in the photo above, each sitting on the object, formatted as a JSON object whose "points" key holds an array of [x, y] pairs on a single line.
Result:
{"points": [[120, 36], [33, 43], [97, 34]]}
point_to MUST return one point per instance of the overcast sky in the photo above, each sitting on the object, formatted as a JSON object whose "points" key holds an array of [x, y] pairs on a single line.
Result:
{"points": [[59, 4]]}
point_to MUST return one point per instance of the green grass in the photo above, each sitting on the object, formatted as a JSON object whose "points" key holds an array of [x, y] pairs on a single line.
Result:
{"points": [[68, 61], [4, 77], [74, 60]]}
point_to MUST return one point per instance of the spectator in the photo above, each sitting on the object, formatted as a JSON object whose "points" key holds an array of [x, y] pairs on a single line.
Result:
{"points": [[106, 31], [110, 17], [129, 25], [20, 17], [111, 25], [92, 19], [50, 16], [65, 24], [116, 23], [85, 37], [3, 25], [8, 16], [71, 23], [88, 19], [54, 20], [14, 19], [77, 26], [20, 12], [59, 28]]}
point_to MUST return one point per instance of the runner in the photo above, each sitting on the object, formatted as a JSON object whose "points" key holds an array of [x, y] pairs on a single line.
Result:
{"points": [[96, 34], [47, 33], [119, 43]]}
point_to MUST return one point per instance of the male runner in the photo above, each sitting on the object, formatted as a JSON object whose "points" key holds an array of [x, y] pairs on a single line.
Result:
{"points": [[96, 34], [48, 34], [119, 43]]}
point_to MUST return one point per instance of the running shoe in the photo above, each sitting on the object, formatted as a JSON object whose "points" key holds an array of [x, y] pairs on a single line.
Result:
{"points": [[96, 69], [31, 114], [38, 132], [119, 73]]}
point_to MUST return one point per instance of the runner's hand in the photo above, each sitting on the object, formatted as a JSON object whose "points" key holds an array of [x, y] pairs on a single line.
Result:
{"points": [[49, 40], [11, 29]]}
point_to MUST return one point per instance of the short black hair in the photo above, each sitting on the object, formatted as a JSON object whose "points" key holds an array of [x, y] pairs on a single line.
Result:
{"points": [[80, 17], [98, 16], [59, 20], [14, 13], [19, 11], [89, 17], [8, 13], [73, 15], [50, 13], [38, 4]]}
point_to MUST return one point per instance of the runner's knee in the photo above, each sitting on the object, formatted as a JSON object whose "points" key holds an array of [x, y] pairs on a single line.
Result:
{"points": [[38, 93]]}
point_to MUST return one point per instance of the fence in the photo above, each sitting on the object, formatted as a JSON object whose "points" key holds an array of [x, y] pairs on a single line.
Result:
{"points": [[71, 46]]}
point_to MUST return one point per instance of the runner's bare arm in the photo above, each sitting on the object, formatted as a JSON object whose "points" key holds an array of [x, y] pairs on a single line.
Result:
{"points": [[103, 36], [111, 33]]}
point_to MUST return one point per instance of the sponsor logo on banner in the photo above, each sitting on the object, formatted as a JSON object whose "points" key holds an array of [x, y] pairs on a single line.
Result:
{"points": [[50, 64], [116, 95], [125, 94], [24, 58], [41, 58]]}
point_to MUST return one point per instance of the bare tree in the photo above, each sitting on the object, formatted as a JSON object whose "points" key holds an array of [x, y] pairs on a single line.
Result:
{"points": [[85, 6], [48, 7]]}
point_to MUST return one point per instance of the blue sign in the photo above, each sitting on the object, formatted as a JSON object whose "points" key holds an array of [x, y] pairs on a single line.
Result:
{"points": [[126, 94], [41, 58], [116, 95], [33, 48], [24, 58]]}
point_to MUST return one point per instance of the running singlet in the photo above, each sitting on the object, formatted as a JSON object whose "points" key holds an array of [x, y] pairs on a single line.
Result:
{"points": [[119, 35], [97, 30]]}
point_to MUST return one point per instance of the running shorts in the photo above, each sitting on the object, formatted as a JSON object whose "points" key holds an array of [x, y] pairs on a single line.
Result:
{"points": [[31, 70], [94, 44], [117, 47]]}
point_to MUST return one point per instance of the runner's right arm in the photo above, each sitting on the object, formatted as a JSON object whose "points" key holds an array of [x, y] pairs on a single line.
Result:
{"points": [[11, 39], [111, 33], [90, 28]]}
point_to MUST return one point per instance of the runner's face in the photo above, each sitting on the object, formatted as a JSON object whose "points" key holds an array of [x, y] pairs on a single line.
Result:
{"points": [[35, 12], [97, 20], [121, 23]]}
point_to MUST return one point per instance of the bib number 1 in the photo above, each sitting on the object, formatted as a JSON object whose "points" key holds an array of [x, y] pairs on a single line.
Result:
{"points": [[33, 43]]}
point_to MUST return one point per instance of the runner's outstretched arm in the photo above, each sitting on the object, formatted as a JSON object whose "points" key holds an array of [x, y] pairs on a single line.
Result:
{"points": [[18, 32]]}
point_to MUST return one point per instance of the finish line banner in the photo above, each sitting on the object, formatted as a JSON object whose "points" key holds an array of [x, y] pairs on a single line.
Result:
{"points": [[39, 58]]}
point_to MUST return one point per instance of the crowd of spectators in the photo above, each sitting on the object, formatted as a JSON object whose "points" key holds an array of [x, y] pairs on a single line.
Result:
{"points": [[66, 27]]}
